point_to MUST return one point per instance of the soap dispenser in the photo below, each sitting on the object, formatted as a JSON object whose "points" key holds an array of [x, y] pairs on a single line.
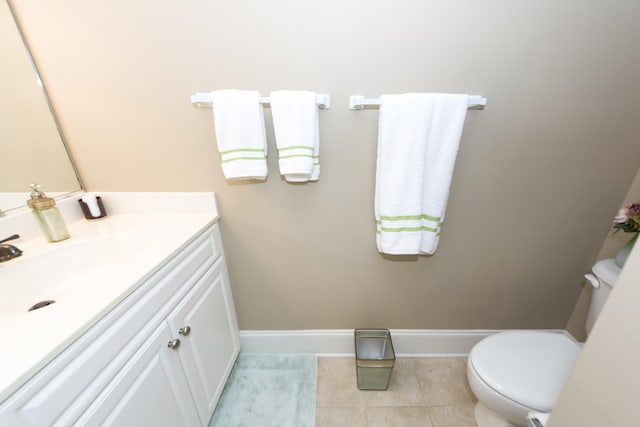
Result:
{"points": [[47, 215]]}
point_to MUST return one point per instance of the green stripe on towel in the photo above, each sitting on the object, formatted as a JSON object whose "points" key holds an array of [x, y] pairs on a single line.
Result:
{"points": [[408, 229], [246, 150], [243, 158], [410, 217], [380, 232], [297, 155], [294, 147]]}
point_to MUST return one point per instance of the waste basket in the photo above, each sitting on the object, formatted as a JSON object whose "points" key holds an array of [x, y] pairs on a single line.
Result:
{"points": [[374, 358]]}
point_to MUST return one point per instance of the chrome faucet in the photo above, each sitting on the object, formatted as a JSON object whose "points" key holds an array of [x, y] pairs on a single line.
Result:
{"points": [[8, 252]]}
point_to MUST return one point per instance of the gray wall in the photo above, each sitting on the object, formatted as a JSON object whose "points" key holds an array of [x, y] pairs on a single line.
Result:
{"points": [[540, 172]]}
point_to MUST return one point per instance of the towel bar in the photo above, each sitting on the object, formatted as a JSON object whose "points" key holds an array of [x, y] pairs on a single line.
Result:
{"points": [[359, 102], [204, 100]]}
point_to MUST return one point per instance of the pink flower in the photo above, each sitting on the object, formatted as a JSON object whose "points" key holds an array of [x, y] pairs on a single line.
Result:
{"points": [[632, 210], [628, 219]]}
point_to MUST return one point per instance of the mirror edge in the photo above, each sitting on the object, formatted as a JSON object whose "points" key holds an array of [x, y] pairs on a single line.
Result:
{"points": [[47, 99]]}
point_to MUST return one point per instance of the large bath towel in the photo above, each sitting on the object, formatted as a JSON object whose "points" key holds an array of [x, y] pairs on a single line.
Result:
{"points": [[418, 139]]}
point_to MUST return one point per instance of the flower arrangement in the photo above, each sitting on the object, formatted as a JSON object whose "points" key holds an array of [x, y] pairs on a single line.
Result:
{"points": [[628, 219]]}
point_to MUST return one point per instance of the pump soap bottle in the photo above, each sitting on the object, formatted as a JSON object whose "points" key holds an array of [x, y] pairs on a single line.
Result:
{"points": [[47, 215]]}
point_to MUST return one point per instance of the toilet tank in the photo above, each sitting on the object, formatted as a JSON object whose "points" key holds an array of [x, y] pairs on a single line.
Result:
{"points": [[605, 274]]}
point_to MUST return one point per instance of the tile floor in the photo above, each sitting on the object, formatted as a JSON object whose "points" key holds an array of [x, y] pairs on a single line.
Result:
{"points": [[430, 392]]}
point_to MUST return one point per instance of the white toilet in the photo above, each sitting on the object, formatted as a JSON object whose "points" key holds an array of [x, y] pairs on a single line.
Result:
{"points": [[517, 372]]}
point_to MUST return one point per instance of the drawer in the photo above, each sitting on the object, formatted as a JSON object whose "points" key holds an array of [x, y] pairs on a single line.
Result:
{"points": [[62, 390]]}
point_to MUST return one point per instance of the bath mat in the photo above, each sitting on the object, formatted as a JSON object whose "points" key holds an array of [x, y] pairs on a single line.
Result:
{"points": [[269, 390]]}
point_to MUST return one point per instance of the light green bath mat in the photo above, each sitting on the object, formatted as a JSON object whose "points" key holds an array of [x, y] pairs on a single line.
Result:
{"points": [[269, 390]]}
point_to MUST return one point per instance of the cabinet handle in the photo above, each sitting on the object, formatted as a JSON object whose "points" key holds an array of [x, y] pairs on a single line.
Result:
{"points": [[185, 331], [174, 344]]}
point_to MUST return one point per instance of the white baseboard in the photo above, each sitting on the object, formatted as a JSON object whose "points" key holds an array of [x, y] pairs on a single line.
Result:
{"points": [[340, 342]]}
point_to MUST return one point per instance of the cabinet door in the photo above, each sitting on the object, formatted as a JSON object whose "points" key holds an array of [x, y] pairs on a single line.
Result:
{"points": [[211, 344], [151, 390]]}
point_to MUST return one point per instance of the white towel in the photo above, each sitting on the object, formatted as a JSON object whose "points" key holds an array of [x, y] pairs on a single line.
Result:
{"points": [[295, 124], [418, 139], [240, 132]]}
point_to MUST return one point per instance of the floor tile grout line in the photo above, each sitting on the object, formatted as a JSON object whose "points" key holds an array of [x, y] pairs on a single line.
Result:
{"points": [[422, 393]]}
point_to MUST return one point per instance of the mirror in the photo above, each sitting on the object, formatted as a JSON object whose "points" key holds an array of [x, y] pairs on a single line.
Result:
{"points": [[32, 146]]}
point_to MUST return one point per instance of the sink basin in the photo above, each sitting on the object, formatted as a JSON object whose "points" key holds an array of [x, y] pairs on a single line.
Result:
{"points": [[70, 271]]}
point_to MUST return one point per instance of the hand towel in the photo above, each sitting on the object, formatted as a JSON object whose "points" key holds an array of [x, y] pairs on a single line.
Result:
{"points": [[240, 133], [418, 139], [295, 124]]}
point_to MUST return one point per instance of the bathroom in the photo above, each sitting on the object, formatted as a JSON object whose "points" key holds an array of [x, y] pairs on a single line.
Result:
{"points": [[540, 173]]}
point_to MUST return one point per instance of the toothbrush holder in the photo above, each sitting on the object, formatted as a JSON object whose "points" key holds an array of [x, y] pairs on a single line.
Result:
{"points": [[87, 211]]}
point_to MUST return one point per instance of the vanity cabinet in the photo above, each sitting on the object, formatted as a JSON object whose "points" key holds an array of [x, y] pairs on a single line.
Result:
{"points": [[161, 357]]}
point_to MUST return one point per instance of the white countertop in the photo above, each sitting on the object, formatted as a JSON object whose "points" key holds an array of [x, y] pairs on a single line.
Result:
{"points": [[155, 227]]}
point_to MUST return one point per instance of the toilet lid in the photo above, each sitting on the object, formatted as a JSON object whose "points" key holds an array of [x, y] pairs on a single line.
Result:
{"points": [[529, 367]]}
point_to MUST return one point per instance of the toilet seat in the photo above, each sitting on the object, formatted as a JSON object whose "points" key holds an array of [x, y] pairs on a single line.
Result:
{"points": [[527, 367]]}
